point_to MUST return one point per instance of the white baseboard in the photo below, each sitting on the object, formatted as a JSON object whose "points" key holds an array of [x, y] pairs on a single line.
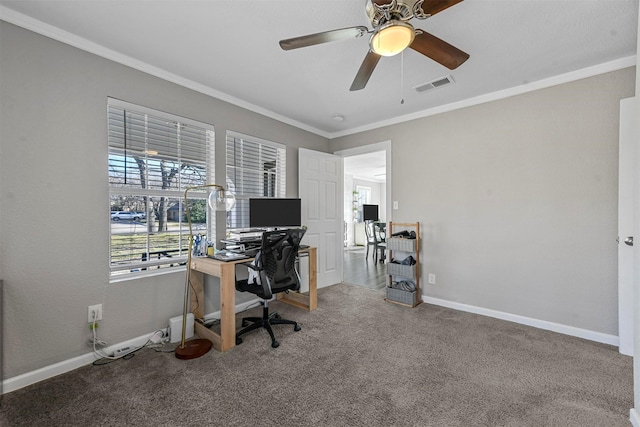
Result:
{"points": [[536, 323], [20, 381], [634, 417], [28, 378]]}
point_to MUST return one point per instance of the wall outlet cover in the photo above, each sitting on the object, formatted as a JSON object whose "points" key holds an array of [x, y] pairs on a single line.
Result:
{"points": [[98, 309]]}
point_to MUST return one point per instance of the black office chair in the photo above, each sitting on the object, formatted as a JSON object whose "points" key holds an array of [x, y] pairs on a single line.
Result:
{"points": [[275, 271]]}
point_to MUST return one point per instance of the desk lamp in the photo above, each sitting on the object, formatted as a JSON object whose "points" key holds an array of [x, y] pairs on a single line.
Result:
{"points": [[218, 201]]}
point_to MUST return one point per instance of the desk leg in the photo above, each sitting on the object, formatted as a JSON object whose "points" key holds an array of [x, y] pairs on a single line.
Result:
{"points": [[305, 302], [313, 279], [228, 306], [226, 340]]}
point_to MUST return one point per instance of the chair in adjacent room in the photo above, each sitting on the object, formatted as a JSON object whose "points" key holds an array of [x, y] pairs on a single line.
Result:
{"points": [[380, 233], [272, 271], [375, 234]]}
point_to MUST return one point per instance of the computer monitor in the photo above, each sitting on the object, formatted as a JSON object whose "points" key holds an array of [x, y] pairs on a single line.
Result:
{"points": [[370, 212], [275, 213]]}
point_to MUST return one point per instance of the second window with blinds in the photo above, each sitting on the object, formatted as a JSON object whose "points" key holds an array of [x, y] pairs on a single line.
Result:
{"points": [[255, 168]]}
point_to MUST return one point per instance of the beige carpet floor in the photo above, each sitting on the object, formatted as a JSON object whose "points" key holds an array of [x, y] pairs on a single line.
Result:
{"points": [[358, 361]]}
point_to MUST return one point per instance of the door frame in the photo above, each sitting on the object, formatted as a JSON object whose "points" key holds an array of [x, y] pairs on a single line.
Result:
{"points": [[628, 212], [370, 148]]}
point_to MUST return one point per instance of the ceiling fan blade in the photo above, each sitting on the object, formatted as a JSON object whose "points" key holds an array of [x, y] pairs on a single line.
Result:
{"points": [[431, 7], [324, 37], [438, 50], [365, 71]]}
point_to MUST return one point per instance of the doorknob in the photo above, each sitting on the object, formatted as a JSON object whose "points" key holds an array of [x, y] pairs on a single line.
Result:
{"points": [[629, 241]]}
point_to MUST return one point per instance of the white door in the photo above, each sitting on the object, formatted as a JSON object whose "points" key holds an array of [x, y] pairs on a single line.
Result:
{"points": [[320, 188], [628, 212]]}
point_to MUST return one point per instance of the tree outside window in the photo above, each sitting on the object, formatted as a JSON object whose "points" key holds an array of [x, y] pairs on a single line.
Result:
{"points": [[153, 158]]}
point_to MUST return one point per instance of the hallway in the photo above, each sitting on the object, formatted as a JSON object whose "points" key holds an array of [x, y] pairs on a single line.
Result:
{"points": [[361, 271]]}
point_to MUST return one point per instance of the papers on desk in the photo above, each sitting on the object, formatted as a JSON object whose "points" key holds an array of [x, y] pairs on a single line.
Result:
{"points": [[228, 256]]}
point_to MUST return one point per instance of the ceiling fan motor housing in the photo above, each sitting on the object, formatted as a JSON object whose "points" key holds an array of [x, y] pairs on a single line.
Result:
{"points": [[382, 11]]}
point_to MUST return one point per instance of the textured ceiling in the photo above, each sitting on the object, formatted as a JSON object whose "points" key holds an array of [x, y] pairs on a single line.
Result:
{"points": [[230, 49]]}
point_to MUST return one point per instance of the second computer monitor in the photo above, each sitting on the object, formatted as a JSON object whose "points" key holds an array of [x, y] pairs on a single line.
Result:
{"points": [[275, 213]]}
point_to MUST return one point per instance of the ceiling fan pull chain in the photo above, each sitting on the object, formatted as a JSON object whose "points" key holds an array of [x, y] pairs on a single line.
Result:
{"points": [[401, 77]]}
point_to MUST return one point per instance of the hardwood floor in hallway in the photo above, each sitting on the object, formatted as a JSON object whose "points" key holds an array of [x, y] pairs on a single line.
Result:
{"points": [[361, 271]]}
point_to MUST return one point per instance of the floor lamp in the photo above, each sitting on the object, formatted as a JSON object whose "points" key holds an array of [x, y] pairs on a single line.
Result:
{"points": [[217, 202]]}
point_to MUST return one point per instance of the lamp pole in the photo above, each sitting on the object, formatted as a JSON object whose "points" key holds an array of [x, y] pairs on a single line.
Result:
{"points": [[198, 347]]}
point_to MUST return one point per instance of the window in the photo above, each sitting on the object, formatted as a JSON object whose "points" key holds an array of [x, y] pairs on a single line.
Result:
{"points": [[363, 197], [153, 158], [255, 168]]}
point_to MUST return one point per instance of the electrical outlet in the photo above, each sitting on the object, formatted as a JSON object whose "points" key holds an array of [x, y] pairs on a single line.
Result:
{"points": [[94, 310], [431, 279]]}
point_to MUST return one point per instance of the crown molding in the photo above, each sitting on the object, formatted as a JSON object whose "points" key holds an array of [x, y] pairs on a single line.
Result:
{"points": [[617, 64], [55, 33]]}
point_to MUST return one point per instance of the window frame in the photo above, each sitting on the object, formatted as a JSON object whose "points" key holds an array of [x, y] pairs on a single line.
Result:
{"points": [[363, 198], [131, 269]]}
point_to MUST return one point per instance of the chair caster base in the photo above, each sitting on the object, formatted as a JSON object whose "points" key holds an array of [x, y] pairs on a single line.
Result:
{"points": [[275, 344], [297, 327]]}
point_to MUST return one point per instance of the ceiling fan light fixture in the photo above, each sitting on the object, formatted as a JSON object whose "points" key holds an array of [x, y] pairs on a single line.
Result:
{"points": [[392, 38]]}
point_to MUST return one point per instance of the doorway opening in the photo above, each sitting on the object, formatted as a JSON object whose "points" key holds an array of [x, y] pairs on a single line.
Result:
{"points": [[366, 172]]}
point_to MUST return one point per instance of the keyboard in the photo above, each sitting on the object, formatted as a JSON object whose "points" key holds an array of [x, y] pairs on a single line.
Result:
{"points": [[229, 256]]}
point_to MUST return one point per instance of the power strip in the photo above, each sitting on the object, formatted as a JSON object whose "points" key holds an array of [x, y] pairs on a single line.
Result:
{"points": [[121, 351]]}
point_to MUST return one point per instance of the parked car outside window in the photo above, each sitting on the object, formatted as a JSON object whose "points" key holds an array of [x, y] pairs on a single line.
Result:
{"points": [[121, 215]]}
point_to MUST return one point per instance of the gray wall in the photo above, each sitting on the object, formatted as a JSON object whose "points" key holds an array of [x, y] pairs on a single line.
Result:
{"points": [[54, 196], [517, 200]]}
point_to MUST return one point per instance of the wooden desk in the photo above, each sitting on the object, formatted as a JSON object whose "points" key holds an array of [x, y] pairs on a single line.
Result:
{"points": [[226, 271]]}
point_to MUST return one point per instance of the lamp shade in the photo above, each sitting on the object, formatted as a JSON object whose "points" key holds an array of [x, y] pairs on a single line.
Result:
{"points": [[392, 38], [216, 199]]}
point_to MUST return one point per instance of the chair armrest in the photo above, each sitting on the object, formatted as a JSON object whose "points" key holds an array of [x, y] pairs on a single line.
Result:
{"points": [[251, 265], [262, 281]]}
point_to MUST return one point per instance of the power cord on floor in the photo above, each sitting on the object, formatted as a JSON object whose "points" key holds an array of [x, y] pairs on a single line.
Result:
{"points": [[106, 358]]}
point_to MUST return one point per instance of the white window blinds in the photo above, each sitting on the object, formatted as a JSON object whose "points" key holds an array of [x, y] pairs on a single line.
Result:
{"points": [[255, 168], [153, 158]]}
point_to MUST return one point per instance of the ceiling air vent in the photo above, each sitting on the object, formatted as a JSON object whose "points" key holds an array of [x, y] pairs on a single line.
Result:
{"points": [[434, 84]]}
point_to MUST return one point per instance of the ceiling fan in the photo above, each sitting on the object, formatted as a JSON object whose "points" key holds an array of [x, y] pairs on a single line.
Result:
{"points": [[391, 34]]}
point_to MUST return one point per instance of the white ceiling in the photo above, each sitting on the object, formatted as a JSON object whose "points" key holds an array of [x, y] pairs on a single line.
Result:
{"points": [[368, 166], [230, 49]]}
